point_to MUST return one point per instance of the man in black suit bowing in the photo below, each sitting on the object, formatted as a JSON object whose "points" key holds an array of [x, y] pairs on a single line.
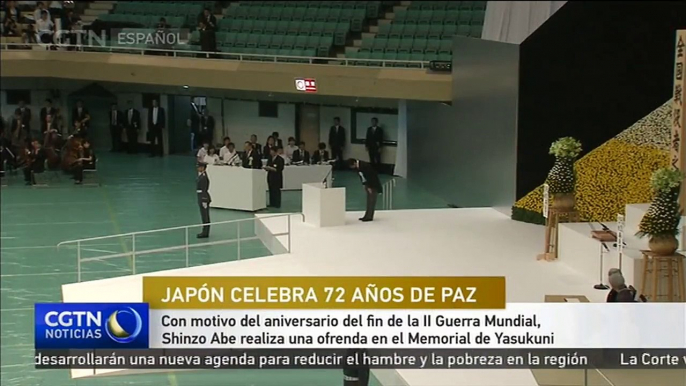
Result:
{"points": [[374, 142], [133, 125], [274, 170], [251, 159], [116, 125], [372, 185], [204, 199], [337, 141], [156, 122]]}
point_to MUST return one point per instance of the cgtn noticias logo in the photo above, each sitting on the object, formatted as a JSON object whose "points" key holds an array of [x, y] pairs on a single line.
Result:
{"points": [[91, 325], [306, 84]]}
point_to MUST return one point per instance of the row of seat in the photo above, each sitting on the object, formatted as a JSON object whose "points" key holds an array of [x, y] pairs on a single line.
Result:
{"points": [[416, 58], [409, 31], [144, 20], [440, 17], [157, 8], [322, 44], [438, 46], [288, 55], [287, 14], [339, 31], [315, 4], [449, 5]]}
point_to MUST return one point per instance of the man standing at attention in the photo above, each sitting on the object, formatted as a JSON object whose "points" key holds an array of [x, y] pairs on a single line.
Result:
{"points": [[372, 185], [116, 124], [337, 141], [204, 199], [133, 124], [274, 170], [156, 121], [374, 142]]}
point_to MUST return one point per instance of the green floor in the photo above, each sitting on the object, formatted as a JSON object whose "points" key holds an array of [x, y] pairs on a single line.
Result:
{"points": [[137, 193]]}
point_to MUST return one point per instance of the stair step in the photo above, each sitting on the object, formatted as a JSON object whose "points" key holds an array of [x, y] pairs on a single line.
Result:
{"points": [[340, 56], [95, 12], [357, 43], [101, 5], [389, 16], [374, 29], [351, 49], [87, 19], [399, 8], [384, 21], [368, 35], [406, 3]]}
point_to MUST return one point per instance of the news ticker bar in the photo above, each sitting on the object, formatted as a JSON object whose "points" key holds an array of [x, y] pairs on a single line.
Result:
{"points": [[214, 359]]}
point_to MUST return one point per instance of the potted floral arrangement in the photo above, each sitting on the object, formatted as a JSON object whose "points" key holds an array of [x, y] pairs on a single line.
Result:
{"points": [[661, 221], [561, 179]]}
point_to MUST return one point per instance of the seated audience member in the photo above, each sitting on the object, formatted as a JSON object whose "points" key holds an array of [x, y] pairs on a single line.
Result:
{"points": [[256, 146], [162, 24], [278, 142], [619, 291], [291, 147], [301, 155], [231, 156], [12, 12], [35, 162], [38, 13], [224, 149], [211, 158], [251, 159], [271, 143], [86, 161], [202, 152], [321, 155], [286, 160], [10, 28], [45, 28]]}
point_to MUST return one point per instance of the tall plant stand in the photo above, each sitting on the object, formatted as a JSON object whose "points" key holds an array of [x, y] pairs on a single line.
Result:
{"points": [[663, 277], [555, 217]]}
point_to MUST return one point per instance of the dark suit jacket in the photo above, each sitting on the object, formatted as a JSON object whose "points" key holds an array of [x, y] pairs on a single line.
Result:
{"points": [[374, 139], [120, 118], [210, 22], [317, 157], [257, 147], [38, 164], [337, 137], [135, 122], [160, 119], [209, 123], [300, 155], [75, 116], [256, 162], [14, 124], [369, 176], [44, 112], [25, 116], [275, 179], [202, 189]]}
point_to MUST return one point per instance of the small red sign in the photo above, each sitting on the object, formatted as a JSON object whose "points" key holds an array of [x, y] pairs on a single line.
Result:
{"points": [[306, 84]]}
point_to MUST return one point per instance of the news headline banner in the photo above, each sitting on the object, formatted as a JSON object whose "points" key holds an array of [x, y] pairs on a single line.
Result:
{"points": [[521, 325], [339, 292], [379, 359]]}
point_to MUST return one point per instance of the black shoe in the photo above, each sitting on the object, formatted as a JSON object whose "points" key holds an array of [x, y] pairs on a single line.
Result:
{"points": [[202, 236], [366, 219]]}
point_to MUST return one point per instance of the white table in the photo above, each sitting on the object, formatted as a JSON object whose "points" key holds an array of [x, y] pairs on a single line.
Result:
{"points": [[234, 187], [294, 176]]}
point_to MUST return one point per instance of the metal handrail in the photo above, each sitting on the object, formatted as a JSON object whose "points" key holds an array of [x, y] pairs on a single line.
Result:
{"points": [[387, 198], [229, 55], [186, 246]]}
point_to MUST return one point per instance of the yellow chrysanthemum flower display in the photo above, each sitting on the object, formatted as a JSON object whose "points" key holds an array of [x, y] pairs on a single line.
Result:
{"points": [[614, 174]]}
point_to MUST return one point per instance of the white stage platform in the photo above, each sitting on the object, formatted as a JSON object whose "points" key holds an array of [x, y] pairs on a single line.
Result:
{"points": [[437, 242]]}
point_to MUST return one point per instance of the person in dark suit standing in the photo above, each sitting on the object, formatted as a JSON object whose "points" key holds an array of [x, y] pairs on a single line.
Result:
{"points": [[204, 199], [25, 117], [156, 123], [133, 125], [46, 111], [374, 142], [82, 115], [251, 159], [35, 163], [337, 141], [116, 125], [208, 19], [358, 374], [256, 146], [372, 185], [274, 170], [301, 155], [206, 127]]}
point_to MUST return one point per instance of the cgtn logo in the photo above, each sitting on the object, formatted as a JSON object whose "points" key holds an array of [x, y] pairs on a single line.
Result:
{"points": [[91, 325]]}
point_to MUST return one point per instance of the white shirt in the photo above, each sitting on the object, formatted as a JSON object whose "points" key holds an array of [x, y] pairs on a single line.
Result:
{"points": [[290, 150], [211, 159], [154, 115], [130, 115], [201, 154], [114, 117], [286, 160], [44, 25], [226, 154]]}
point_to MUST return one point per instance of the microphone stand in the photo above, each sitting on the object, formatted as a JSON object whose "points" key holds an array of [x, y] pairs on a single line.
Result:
{"points": [[603, 249], [326, 179]]}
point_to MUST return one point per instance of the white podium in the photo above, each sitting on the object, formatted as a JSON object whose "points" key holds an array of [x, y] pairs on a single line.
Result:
{"points": [[234, 187], [323, 207]]}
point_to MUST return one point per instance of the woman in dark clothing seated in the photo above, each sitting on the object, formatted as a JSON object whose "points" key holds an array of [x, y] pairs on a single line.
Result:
{"points": [[85, 162]]}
